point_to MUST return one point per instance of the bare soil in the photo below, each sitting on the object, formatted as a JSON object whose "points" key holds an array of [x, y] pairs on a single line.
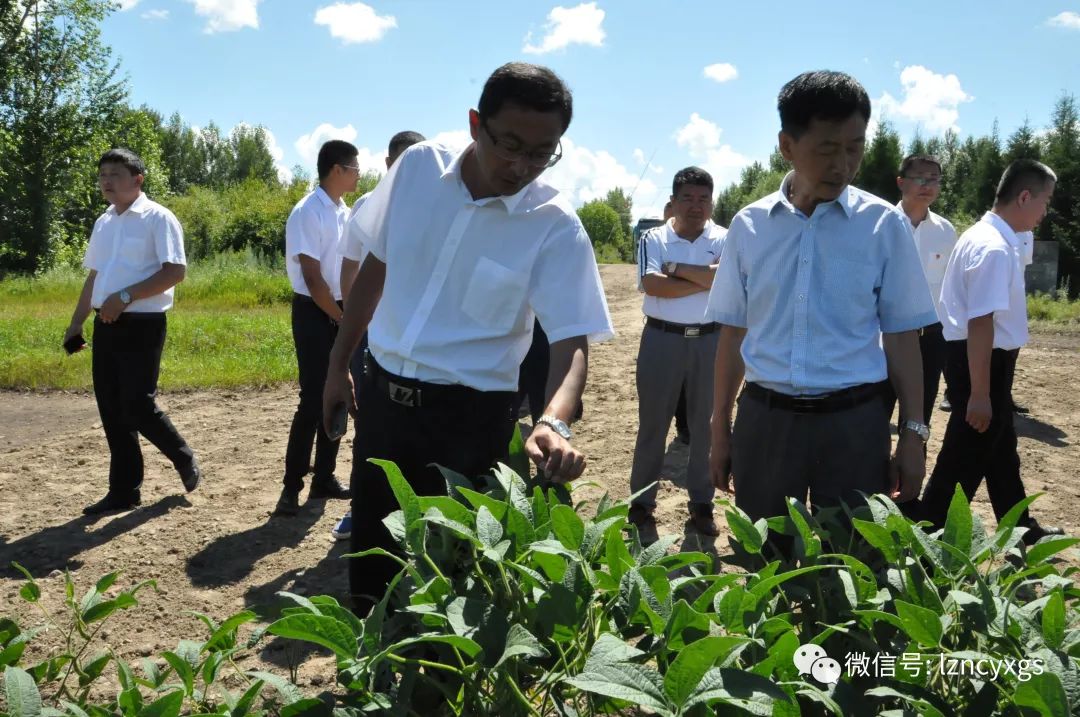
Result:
{"points": [[218, 550]]}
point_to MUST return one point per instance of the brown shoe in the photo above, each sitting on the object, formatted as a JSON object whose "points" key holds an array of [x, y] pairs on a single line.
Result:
{"points": [[701, 517], [642, 518]]}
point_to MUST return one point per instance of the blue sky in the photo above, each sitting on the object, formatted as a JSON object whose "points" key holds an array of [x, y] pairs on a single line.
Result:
{"points": [[677, 83]]}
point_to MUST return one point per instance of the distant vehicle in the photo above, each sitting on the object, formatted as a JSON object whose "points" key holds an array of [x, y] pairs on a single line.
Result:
{"points": [[643, 225]]}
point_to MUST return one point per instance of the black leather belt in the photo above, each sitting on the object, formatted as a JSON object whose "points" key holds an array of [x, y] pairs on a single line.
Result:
{"points": [[689, 331], [935, 328], [825, 403], [412, 393]]}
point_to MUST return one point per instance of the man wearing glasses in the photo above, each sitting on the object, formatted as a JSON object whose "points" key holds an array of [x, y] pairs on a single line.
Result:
{"points": [[312, 235], [920, 184], [466, 249]]}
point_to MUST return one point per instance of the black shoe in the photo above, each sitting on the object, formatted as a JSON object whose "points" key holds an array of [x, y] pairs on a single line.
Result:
{"points": [[643, 519], [701, 517], [112, 503], [1036, 532], [328, 488], [191, 476], [1017, 408], [945, 405], [288, 503]]}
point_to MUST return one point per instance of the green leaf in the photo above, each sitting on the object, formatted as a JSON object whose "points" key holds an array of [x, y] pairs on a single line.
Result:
{"points": [[618, 556], [478, 500], [762, 588], [23, 698], [225, 636], [30, 592], [624, 681], [608, 649], [167, 706], [920, 623], [183, 670], [744, 531], [1041, 551], [288, 691], [958, 524], [753, 693], [1009, 520], [101, 610], [323, 630], [693, 661], [93, 669], [1043, 693], [567, 526], [801, 518], [520, 641], [210, 667], [488, 528], [1053, 620], [243, 705], [308, 707], [879, 537], [518, 459], [406, 498]]}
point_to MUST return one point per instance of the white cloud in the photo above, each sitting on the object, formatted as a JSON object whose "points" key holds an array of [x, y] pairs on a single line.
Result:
{"points": [[127, 4], [455, 140], [639, 156], [307, 146], [721, 72], [1068, 20], [701, 139], [584, 175], [580, 25], [227, 15], [930, 100], [155, 15], [354, 22]]}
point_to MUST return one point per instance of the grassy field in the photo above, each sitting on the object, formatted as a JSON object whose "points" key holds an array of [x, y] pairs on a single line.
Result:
{"points": [[230, 328]]}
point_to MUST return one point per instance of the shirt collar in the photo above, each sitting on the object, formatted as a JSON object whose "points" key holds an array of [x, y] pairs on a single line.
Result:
{"points": [[325, 199], [846, 201], [139, 206], [1003, 228], [512, 202], [930, 216]]}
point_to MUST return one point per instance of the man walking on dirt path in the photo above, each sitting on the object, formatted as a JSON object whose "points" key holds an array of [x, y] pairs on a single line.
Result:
{"points": [[466, 249], [984, 314], [312, 259], [821, 295], [135, 257], [676, 265]]}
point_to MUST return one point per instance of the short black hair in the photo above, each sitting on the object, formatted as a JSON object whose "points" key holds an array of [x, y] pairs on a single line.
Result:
{"points": [[334, 151], [822, 95], [531, 86], [1023, 174], [905, 166], [692, 176], [121, 155], [402, 141]]}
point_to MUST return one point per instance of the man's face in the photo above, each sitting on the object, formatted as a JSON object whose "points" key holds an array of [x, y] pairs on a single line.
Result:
{"points": [[1033, 206], [515, 145], [692, 207], [348, 174], [921, 184], [827, 155], [118, 185]]}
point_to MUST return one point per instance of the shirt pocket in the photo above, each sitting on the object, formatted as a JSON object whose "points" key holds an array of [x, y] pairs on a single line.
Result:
{"points": [[850, 293], [935, 267], [495, 296], [137, 250]]}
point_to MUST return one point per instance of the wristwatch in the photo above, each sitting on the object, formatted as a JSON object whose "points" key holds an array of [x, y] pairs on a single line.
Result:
{"points": [[670, 267], [556, 425], [125, 296], [919, 429]]}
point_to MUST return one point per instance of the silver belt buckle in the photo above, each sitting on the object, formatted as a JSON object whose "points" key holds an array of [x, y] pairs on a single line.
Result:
{"points": [[405, 395], [692, 332]]}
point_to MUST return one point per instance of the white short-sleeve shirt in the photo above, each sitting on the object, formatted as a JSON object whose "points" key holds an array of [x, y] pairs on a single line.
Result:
{"points": [[465, 277], [314, 229], [352, 246], [127, 248], [1027, 239], [662, 244], [985, 275], [935, 238]]}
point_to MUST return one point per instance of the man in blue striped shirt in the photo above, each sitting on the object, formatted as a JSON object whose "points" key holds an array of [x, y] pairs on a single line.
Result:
{"points": [[821, 294]]}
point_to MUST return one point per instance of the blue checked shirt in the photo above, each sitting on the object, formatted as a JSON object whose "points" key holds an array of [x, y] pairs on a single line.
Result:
{"points": [[815, 293]]}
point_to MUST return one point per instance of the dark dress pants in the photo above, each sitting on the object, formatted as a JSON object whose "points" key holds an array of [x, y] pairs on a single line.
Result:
{"points": [[125, 364], [532, 379], [313, 336], [932, 346]]}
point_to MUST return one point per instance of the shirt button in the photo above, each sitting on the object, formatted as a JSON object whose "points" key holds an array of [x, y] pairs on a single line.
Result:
{"points": [[802, 297], [805, 261]]}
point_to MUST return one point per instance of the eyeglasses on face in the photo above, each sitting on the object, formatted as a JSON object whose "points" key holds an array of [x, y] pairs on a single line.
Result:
{"points": [[506, 150], [924, 181]]}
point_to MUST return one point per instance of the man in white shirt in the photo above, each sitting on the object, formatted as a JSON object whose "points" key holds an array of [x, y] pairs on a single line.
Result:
{"points": [[676, 265], [465, 250], [135, 257], [352, 255], [313, 262], [919, 181], [821, 296], [984, 314]]}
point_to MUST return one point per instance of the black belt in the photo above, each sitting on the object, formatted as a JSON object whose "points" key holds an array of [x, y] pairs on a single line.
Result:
{"points": [[935, 328], [414, 394], [135, 315], [825, 403], [689, 331]]}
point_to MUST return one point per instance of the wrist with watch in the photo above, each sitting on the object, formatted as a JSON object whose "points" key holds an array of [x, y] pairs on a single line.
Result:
{"points": [[670, 267], [919, 429], [555, 424], [125, 296]]}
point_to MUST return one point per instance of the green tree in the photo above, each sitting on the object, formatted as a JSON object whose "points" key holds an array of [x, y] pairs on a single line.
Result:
{"points": [[252, 158], [59, 94], [1022, 144], [604, 227], [1062, 153], [877, 174], [181, 154]]}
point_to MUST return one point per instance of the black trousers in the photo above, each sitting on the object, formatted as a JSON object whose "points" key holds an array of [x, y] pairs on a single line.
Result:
{"points": [[532, 379], [933, 347], [462, 429], [313, 335], [967, 456], [126, 361]]}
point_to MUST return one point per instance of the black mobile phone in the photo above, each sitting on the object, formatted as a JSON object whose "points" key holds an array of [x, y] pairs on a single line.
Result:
{"points": [[339, 423], [75, 344]]}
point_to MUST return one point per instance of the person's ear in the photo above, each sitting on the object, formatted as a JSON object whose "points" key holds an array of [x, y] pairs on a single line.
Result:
{"points": [[787, 145], [474, 124]]}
